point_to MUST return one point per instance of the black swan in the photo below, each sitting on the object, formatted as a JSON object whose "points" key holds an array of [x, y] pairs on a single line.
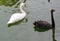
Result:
{"points": [[44, 24]]}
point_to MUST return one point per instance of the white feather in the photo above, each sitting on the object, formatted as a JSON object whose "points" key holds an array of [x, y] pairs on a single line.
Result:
{"points": [[17, 16]]}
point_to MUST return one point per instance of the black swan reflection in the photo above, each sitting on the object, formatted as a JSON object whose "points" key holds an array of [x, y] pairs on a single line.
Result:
{"points": [[44, 24]]}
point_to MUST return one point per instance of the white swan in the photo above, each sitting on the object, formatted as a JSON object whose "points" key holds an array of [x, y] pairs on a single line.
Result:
{"points": [[17, 16]]}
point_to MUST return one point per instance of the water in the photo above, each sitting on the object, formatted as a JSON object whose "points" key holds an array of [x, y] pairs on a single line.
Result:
{"points": [[39, 9]]}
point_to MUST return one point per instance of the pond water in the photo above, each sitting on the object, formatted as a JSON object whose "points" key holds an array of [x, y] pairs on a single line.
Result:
{"points": [[38, 10]]}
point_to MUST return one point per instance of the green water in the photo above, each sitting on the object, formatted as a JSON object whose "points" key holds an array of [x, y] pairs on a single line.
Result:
{"points": [[24, 31]]}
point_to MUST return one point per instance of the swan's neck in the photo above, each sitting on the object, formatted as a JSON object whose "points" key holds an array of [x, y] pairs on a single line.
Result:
{"points": [[22, 11], [52, 19]]}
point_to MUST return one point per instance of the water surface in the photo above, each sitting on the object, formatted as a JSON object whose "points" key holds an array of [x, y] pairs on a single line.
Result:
{"points": [[38, 10]]}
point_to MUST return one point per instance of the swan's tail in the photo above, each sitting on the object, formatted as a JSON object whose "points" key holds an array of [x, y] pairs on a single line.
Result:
{"points": [[10, 22]]}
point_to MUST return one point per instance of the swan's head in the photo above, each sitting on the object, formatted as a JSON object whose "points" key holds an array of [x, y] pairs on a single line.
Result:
{"points": [[52, 10], [22, 4]]}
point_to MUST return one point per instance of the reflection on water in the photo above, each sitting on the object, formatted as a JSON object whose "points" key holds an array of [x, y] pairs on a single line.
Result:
{"points": [[8, 2], [16, 23], [43, 30], [39, 30], [53, 34], [48, 0]]}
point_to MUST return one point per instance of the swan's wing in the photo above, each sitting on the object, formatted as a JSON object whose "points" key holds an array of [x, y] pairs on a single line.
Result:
{"points": [[16, 17]]}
